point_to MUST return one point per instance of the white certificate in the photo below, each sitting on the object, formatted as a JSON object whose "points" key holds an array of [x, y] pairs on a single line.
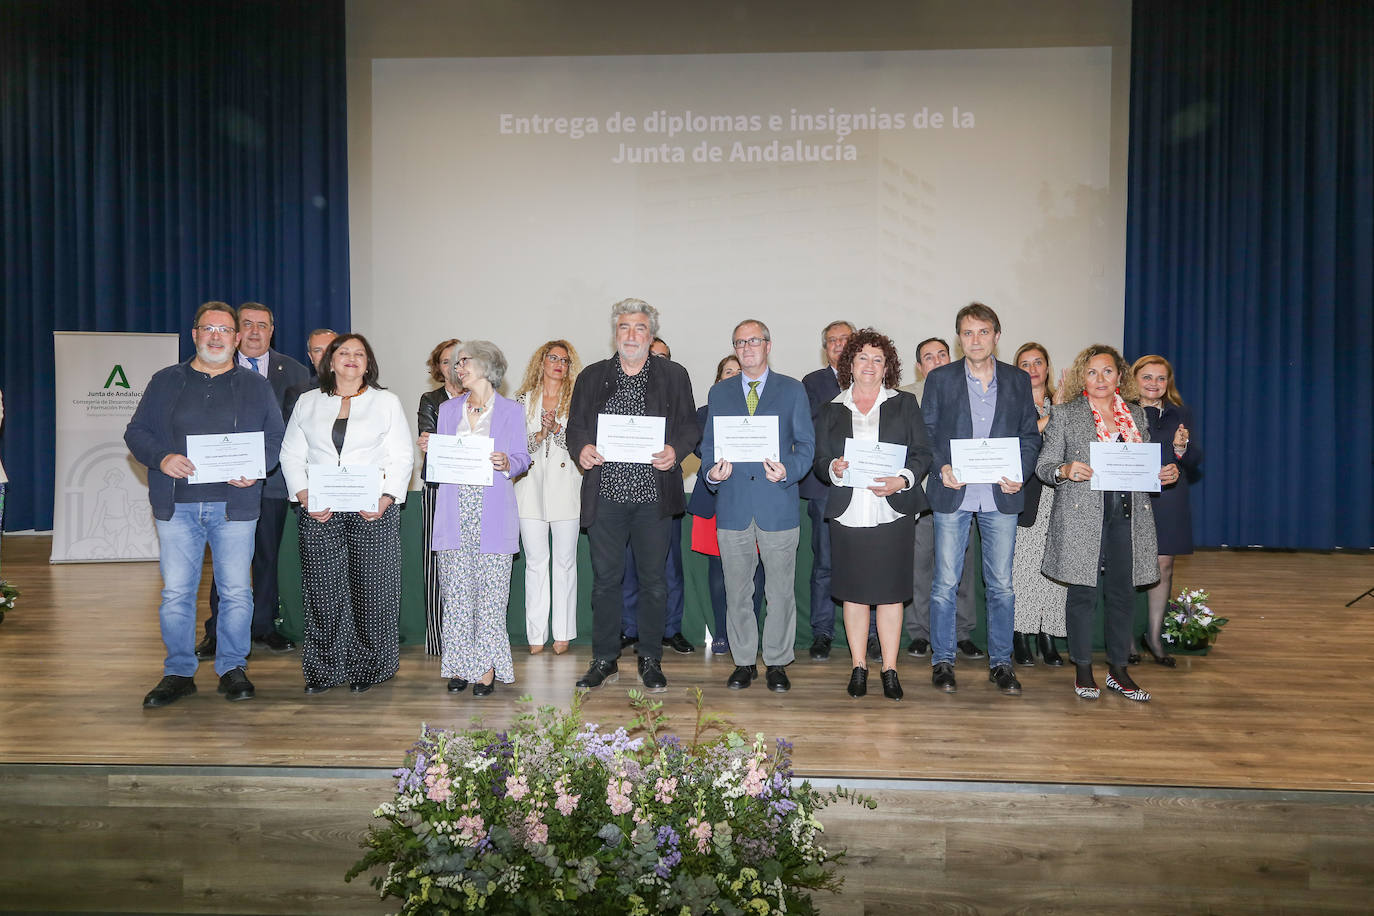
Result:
{"points": [[870, 460], [985, 460], [633, 440], [459, 459], [1125, 466], [344, 488], [746, 438], [226, 456]]}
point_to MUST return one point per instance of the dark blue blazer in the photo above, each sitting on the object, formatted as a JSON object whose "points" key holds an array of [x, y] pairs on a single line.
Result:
{"points": [[948, 416], [702, 502], [747, 495], [285, 374], [821, 388]]}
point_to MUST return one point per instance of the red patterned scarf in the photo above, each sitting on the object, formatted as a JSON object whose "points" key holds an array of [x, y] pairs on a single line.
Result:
{"points": [[1125, 423]]}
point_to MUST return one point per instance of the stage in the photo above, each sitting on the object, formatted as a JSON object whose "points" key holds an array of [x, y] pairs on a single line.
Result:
{"points": [[1247, 784]]}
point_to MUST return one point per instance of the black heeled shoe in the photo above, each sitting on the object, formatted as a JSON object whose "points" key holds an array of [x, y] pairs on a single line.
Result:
{"points": [[858, 682], [1166, 659], [892, 688], [1021, 649], [1048, 652]]}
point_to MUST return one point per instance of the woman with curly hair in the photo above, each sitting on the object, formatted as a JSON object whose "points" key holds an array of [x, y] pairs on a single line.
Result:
{"points": [[872, 522], [1099, 540], [549, 497], [440, 367]]}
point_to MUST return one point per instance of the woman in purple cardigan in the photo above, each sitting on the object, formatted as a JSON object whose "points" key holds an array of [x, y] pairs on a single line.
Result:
{"points": [[477, 528]]}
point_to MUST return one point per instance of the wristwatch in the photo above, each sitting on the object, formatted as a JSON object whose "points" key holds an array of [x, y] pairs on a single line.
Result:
{"points": [[1059, 474]]}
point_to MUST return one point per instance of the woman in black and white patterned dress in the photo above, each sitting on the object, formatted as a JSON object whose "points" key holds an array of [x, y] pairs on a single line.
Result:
{"points": [[440, 365]]}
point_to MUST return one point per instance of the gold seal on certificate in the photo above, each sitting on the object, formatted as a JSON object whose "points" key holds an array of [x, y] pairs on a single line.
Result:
{"points": [[746, 438], [868, 461], [344, 488], [459, 459], [985, 460], [1125, 466], [632, 439], [226, 456]]}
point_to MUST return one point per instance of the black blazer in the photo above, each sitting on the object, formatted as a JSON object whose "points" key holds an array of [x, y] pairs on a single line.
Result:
{"points": [[821, 387], [284, 373], [899, 422], [427, 419], [669, 395]]}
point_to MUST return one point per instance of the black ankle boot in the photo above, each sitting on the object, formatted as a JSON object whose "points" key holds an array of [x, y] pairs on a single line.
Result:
{"points": [[1021, 649], [1048, 652]]}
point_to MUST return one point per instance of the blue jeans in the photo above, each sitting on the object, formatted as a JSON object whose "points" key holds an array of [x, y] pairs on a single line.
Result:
{"points": [[998, 532], [182, 540]]}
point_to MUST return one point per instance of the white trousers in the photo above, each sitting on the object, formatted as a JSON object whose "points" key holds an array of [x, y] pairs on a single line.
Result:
{"points": [[534, 543]]}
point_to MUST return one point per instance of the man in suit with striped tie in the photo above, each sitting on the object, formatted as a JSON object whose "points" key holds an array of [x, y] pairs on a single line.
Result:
{"points": [[758, 508]]}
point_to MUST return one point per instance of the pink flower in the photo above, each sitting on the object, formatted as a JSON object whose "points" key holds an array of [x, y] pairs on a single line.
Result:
{"points": [[664, 790], [536, 831], [516, 787], [439, 789], [472, 828], [567, 804], [618, 796], [701, 832]]}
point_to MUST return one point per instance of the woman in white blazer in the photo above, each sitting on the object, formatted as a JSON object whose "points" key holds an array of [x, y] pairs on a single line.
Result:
{"points": [[350, 561], [549, 497]]}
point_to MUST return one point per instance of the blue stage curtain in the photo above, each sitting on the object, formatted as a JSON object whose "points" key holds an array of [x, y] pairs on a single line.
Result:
{"points": [[155, 155], [1250, 252]]}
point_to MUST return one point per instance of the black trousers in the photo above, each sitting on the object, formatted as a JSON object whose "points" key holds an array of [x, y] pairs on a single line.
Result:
{"points": [[266, 546], [643, 527], [1114, 581]]}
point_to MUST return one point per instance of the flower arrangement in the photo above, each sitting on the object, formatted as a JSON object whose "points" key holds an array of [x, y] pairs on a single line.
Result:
{"points": [[1190, 623], [560, 817], [8, 595]]}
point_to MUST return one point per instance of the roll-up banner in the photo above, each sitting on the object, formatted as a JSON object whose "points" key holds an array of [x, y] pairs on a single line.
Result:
{"points": [[100, 498]]}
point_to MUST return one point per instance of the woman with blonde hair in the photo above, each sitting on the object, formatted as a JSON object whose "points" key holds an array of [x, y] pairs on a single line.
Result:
{"points": [[1171, 425], [1039, 611], [549, 497], [1099, 540]]}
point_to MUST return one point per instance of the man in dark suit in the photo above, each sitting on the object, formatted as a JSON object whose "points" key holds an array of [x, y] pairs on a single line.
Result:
{"points": [[316, 342], [629, 502], [758, 516], [255, 327], [977, 397]]}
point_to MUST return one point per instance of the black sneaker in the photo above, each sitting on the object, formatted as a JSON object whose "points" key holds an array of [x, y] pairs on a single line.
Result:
{"points": [[235, 685], [918, 648], [1005, 679], [942, 676], [679, 644], [168, 690], [205, 649], [275, 642], [969, 649], [600, 672], [820, 648], [651, 673]]}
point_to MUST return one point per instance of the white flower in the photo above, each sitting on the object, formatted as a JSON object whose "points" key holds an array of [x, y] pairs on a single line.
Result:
{"points": [[480, 763]]}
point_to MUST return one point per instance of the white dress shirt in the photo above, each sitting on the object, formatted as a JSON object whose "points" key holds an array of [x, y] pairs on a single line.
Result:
{"points": [[866, 509]]}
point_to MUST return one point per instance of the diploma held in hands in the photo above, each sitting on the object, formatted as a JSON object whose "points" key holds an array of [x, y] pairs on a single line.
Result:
{"points": [[869, 461], [1125, 466], [459, 459], [985, 460], [350, 488], [226, 456], [633, 440], [746, 438]]}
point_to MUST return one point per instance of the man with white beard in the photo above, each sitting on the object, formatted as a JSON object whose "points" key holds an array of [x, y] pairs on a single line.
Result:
{"points": [[206, 395]]}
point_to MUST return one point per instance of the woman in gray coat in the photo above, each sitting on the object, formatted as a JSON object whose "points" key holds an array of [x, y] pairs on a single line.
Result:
{"points": [[1098, 539]]}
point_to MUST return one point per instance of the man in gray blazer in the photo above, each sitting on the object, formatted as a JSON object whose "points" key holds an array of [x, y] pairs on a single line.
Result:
{"points": [[977, 397], [758, 509], [255, 326]]}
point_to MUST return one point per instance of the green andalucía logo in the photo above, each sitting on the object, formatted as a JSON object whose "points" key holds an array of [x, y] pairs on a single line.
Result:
{"points": [[117, 378]]}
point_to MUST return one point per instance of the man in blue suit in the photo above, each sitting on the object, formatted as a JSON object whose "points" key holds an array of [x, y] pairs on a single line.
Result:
{"points": [[758, 512], [977, 397]]}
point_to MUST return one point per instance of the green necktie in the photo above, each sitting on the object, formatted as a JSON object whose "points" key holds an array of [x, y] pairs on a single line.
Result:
{"points": [[751, 399]]}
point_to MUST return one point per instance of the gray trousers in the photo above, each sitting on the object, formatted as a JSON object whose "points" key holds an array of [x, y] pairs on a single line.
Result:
{"points": [[740, 553], [917, 614]]}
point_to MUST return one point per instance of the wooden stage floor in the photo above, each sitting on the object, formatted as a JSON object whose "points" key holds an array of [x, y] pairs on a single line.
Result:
{"points": [[1281, 703]]}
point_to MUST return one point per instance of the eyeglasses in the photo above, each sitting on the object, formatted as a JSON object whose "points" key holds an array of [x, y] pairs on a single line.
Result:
{"points": [[258, 325], [214, 329], [750, 342], [463, 361], [560, 360]]}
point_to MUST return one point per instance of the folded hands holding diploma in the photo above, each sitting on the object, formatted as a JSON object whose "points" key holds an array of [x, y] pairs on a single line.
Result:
{"points": [[179, 467], [887, 487], [947, 477]]}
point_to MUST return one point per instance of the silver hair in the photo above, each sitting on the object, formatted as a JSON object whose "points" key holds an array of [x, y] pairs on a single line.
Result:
{"points": [[767, 334], [488, 356], [825, 331], [634, 306]]}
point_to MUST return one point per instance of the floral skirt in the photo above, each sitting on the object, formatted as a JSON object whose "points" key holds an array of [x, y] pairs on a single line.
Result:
{"points": [[475, 587]]}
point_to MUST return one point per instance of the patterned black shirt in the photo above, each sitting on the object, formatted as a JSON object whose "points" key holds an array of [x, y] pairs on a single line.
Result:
{"points": [[625, 482]]}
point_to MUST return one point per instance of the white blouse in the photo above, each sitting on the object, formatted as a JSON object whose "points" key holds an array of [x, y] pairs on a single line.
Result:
{"points": [[866, 509]]}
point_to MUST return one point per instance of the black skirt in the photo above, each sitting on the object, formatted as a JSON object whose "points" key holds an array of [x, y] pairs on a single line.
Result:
{"points": [[873, 565]]}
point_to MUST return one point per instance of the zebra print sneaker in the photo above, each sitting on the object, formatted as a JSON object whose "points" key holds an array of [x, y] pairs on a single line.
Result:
{"points": [[1133, 692]]}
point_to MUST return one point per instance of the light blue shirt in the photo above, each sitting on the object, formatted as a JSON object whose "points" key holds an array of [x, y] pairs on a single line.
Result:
{"points": [[262, 363], [762, 380], [982, 405]]}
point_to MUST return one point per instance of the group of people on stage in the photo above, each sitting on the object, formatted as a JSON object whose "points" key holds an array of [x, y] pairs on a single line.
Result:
{"points": [[900, 538]]}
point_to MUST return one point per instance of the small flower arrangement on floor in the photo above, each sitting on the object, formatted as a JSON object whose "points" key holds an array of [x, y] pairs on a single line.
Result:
{"points": [[8, 595], [1189, 622], [560, 817]]}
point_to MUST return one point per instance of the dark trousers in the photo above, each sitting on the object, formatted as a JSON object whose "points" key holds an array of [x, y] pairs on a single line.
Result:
{"points": [[715, 581], [266, 545], [672, 571], [642, 527], [1114, 581], [822, 606]]}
